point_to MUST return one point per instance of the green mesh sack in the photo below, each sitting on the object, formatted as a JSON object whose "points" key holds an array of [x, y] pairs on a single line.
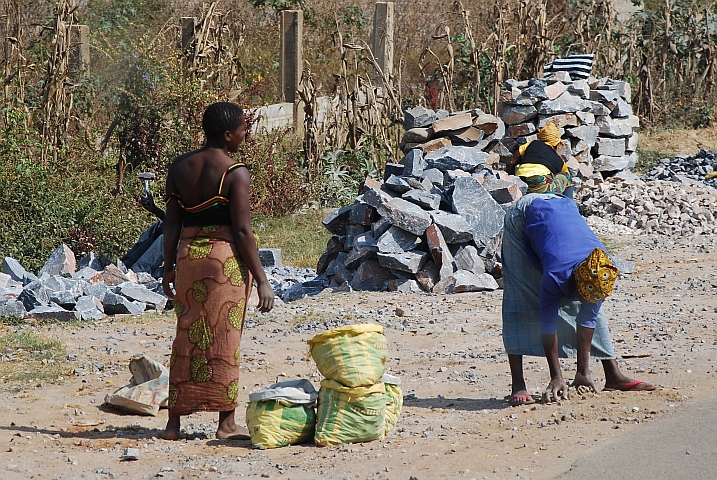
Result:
{"points": [[349, 415], [394, 400], [353, 355], [281, 414]]}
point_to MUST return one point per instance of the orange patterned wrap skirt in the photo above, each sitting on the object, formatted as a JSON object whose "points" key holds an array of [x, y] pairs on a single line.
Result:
{"points": [[212, 288]]}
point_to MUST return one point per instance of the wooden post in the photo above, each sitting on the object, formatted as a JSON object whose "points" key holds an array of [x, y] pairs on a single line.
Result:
{"points": [[382, 44], [291, 61], [79, 55]]}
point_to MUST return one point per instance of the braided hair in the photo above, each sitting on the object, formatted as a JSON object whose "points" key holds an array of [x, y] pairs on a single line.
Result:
{"points": [[220, 117]]}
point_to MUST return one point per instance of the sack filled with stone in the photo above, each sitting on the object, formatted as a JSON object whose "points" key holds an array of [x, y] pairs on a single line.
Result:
{"points": [[352, 355], [394, 400], [281, 414], [350, 415]]}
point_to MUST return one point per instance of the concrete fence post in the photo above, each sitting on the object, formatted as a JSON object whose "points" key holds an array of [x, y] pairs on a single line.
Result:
{"points": [[79, 55], [291, 62], [382, 42], [187, 27]]}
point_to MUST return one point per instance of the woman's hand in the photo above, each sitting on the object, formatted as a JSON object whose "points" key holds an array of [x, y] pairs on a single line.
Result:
{"points": [[557, 390], [583, 382], [266, 297], [166, 280]]}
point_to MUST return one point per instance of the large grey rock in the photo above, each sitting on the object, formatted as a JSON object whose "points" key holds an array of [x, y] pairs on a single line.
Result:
{"points": [[614, 127], [587, 133], [371, 276], [413, 163], [64, 298], [86, 273], [434, 176], [13, 308], [612, 147], [61, 262], [605, 163], [418, 117], [115, 304], [16, 271], [392, 169], [97, 290], [342, 273], [481, 211], [502, 191], [336, 220], [456, 157], [565, 103], [519, 114], [397, 184], [467, 258], [34, 295], [425, 200], [397, 240], [622, 109], [362, 214], [454, 227], [409, 262], [93, 261], [405, 215], [52, 312], [89, 308], [466, 281], [138, 293], [359, 255], [380, 226], [417, 135]]}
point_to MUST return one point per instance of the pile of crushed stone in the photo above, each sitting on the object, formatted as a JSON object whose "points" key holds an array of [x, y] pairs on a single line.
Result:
{"points": [[700, 167], [653, 206]]}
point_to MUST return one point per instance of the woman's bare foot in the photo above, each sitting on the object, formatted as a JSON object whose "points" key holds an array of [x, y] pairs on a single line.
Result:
{"points": [[171, 431], [237, 433]]}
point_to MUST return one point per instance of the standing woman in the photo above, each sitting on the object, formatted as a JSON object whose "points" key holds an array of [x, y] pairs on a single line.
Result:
{"points": [[211, 257]]}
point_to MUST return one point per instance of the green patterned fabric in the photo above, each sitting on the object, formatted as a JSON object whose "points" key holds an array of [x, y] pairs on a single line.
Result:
{"points": [[350, 415], [352, 355]]}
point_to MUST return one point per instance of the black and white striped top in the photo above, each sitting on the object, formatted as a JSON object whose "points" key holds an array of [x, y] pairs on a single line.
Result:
{"points": [[578, 66]]}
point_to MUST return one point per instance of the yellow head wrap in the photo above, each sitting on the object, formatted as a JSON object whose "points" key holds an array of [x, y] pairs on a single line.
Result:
{"points": [[550, 135], [595, 276]]}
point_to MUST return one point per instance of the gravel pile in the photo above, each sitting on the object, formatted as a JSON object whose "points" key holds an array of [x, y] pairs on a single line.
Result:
{"points": [[654, 206], [682, 166]]}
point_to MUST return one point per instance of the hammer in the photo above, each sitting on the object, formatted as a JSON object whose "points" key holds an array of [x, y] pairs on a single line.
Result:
{"points": [[146, 176]]}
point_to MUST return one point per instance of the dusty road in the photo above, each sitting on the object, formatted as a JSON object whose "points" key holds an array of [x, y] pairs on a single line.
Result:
{"points": [[448, 351]]}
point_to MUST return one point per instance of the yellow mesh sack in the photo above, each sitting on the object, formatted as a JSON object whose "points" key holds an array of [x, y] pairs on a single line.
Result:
{"points": [[353, 355], [394, 400], [349, 415], [278, 423]]}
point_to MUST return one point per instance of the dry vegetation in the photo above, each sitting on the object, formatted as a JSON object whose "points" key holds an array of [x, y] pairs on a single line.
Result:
{"points": [[66, 130]]}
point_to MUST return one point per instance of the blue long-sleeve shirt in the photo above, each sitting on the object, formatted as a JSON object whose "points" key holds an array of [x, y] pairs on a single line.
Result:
{"points": [[557, 239]]}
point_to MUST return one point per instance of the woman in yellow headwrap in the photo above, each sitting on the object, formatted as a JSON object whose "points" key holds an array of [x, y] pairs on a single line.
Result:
{"points": [[538, 164]]}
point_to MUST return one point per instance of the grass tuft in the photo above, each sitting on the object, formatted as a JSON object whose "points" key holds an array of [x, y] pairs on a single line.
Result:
{"points": [[301, 238], [28, 357]]}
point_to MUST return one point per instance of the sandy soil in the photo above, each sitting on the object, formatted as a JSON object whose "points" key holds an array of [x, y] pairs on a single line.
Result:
{"points": [[448, 351]]}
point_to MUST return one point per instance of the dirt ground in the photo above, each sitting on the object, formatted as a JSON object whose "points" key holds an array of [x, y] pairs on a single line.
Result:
{"points": [[448, 352]]}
